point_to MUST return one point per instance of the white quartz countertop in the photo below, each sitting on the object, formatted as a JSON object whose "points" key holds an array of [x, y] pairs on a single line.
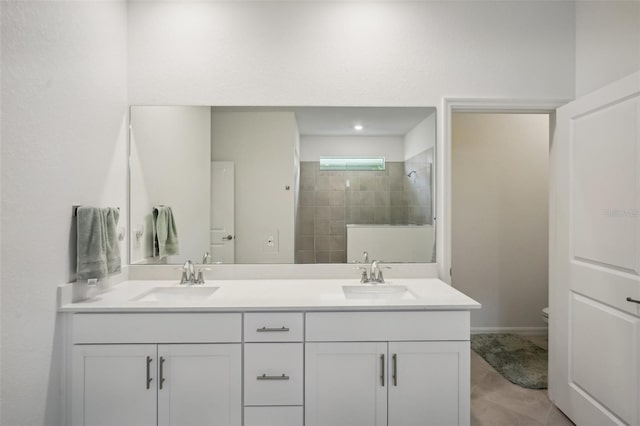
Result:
{"points": [[275, 295]]}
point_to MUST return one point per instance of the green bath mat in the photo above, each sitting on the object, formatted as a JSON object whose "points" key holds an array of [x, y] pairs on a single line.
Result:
{"points": [[516, 358]]}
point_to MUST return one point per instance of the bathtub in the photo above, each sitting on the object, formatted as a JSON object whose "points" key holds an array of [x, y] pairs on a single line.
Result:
{"points": [[390, 243]]}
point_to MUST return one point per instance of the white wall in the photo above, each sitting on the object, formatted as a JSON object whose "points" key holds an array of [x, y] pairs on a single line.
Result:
{"points": [[64, 121], [420, 138], [261, 144], [607, 42], [64, 97], [170, 165], [313, 147], [348, 53], [500, 216]]}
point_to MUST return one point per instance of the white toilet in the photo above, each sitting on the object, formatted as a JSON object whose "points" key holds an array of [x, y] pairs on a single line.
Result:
{"points": [[545, 315]]}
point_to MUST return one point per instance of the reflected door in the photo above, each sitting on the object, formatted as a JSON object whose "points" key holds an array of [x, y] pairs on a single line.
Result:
{"points": [[222, 212]]}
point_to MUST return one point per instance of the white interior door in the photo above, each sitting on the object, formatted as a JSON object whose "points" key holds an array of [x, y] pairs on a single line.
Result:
{"points": [[223, 212], [595, 257]]}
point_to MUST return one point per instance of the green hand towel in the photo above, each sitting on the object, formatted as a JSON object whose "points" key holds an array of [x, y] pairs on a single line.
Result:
{"points": [[98, 252], [91, 248], [111, 216], [165, 233]]}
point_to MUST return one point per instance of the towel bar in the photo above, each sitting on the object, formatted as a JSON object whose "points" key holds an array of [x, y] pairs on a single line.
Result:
{"points": [[75, 210]]}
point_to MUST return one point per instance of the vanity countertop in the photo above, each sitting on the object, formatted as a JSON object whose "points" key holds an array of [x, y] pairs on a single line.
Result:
{"points": [[274, 295]]}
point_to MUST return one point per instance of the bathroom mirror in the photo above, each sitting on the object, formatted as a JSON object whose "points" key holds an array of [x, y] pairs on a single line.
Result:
{"points": [[281, 185]]}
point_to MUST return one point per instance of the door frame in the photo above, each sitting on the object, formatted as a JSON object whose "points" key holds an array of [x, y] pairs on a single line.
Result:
{"points": [[444, 158]]}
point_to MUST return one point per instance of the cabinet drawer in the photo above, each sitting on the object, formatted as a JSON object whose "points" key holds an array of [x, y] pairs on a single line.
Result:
{"points": [[273, 373], [157, 328], [273, 327], [387, 326], [273, 416]]}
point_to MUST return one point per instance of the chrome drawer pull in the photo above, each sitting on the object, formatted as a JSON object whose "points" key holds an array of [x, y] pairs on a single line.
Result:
{"points": [[265, 377], [265, 329], [395, 369], [161, 381], [149, 372]]}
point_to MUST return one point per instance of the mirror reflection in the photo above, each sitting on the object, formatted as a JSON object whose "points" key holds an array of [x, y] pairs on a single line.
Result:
{"points": [[281, 185]]}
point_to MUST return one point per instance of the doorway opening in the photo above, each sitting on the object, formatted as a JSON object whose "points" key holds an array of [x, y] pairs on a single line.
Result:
{"points": [[499, 256], [500, 217]]}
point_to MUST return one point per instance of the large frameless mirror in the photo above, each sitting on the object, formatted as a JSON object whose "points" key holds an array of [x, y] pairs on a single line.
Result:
{"points": [[281, 185]]}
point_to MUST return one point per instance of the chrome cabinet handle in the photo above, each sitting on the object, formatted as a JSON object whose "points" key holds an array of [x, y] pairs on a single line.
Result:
{"points": [[161, 378], [382, 369], [228, 238], [395, 369], [265, 377], [149, 372], [267, 329], [629, 299]]}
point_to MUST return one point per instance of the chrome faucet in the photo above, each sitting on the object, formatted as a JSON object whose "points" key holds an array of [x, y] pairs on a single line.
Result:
{"points": [[189, 274], [364, 278], [376, 272], [375, 276]]}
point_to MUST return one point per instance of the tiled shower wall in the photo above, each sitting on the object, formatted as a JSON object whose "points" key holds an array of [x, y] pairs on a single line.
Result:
{"points": [[418, 188], [331, 199]]}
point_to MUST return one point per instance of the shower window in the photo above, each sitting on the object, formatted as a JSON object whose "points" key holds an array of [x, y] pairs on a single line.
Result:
{"points": [[352, 163]]}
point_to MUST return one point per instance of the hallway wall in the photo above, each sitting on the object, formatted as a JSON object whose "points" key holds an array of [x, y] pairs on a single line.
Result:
{"points": [[500, 216]]}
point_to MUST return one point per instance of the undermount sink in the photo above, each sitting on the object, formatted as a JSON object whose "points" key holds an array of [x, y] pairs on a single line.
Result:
{"points": [[377, 291], [176, 294]]}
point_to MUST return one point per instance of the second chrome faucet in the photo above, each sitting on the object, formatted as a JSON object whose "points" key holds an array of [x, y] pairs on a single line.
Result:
{"points": [[375, 275], [189, 274]]}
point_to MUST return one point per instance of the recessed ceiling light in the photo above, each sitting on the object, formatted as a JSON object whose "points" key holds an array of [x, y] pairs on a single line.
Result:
{"points": [[358, 127]]}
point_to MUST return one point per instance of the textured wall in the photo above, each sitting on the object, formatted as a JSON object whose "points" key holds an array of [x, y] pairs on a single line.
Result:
{"points": [[64, 97], [64, 121], [607, 42], [348, 53]]}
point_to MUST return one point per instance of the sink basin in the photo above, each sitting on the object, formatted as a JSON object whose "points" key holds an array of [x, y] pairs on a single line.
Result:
{"points": [[176, 294], [378, 291]]}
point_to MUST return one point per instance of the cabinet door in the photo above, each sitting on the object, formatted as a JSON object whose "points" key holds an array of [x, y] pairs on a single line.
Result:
{"points": [[428, 383], [113, 385], [199, 384], [346, 384]]}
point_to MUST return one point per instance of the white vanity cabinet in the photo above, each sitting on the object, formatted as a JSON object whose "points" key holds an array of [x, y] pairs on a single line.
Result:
{"points": [[273, 369], [387, 368], [118, 377], [113, 386], [199, 384], [266, 365], [344, 384]]}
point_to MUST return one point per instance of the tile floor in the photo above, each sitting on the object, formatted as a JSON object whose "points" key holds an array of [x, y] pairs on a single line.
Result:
{"points": [[497, 402]]}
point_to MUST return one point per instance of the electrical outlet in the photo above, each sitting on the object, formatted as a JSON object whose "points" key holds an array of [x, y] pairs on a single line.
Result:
{"points": [[91, 282]]}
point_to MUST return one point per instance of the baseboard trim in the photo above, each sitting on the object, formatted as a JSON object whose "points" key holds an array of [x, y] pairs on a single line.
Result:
{"points": [[524, 331]]}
